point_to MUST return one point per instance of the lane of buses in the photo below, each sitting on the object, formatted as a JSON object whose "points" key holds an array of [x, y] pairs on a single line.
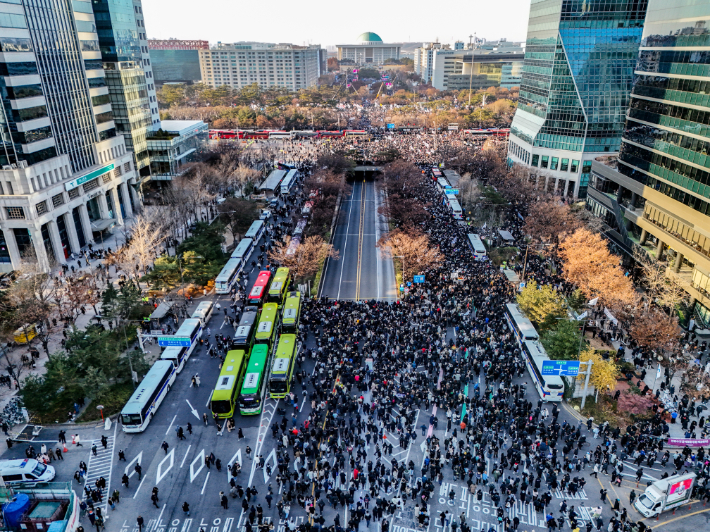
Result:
{"points": [[263, 350]]}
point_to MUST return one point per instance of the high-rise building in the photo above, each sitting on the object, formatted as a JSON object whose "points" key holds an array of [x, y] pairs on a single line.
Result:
{"points": [[269, 65], [66, 175], [121, 32], [577, 76], [176, 60], [655, 196]]}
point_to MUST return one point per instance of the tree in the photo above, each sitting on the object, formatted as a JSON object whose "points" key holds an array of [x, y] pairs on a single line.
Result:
{"points": [[542, 306], [413, 249], [206, 241], [604, 372], [588, 263], [147, 237], [563, 341], [659, 287], [237, 215], [307, 257], [634, 404], [549, 220], [186, 267]]}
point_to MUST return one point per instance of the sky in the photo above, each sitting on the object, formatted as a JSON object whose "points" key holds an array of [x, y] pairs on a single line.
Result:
{"points": [[330, 22]]}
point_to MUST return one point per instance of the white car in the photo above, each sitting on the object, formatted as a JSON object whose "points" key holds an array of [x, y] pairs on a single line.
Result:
{"points": [[265, 214]]}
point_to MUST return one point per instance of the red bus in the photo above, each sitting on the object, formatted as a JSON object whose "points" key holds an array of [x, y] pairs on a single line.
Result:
{"points": [[355, 132], [260, 290]]}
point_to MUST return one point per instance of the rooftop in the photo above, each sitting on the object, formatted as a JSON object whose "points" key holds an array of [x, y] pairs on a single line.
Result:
{"points": [[368, 36]]}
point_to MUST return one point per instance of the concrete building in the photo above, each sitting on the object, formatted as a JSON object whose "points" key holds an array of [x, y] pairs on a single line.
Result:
{"points": [[129, 76], [655, 196], [470, 67], [270, 65], [176, 61], [176, 143], [66, 174], [576, 81], [368, 49]]}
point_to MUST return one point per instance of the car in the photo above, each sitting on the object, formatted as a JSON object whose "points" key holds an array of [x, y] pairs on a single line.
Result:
{"points": [[273, 202], [265, 214], [25, 470]]}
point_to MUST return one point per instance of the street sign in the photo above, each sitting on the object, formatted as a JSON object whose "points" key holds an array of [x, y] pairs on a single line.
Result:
{"points": [[454, 191], [177, 341], [569, 368], [390, 126], [418, 279]]}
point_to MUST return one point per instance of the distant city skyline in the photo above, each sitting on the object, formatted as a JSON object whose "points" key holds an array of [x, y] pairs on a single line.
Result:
{"points": [[321, 22]]}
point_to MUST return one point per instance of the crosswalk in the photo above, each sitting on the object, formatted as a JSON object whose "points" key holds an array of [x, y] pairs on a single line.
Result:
{"points": [[100, 466]]}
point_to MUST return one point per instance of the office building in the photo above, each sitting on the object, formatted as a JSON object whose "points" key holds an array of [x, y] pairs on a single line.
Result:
{"points": [[121, 31], [176, 61], [576, 81], [368, 49], [270, 65], [175, 144], [655, 196], [471, 67], [66, 175]]}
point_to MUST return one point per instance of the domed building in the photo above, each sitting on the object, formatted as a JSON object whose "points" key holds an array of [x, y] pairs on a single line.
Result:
{"points": [[368, 49]]}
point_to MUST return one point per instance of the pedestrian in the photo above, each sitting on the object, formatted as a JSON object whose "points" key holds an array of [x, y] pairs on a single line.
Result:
{"points": [[223, 500], [165, 446], [138, 469], [186, 508], [139, 522]]}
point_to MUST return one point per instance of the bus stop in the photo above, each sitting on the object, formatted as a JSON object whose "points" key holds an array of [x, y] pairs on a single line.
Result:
{"points": [[161, 317], [512, 277], [506, 237], [271, 185]]}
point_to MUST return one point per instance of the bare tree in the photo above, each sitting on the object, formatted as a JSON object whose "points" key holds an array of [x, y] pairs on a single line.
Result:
{"points": [[147, 237], [306, 258], [413, 248]]}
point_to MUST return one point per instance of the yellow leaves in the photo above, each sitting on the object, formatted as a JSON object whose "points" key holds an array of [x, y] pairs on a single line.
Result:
{"points": [[541, 305], [412, 246], [604, 372]]}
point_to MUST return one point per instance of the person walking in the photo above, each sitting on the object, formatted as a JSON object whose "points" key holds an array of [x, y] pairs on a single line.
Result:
{"points": [[139, 522], [165, 446], [186, 508], [223, 500], [138, 469]]}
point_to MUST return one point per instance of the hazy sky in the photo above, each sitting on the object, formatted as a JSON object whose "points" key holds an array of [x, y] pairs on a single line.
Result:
{"points": [[329, 22]]}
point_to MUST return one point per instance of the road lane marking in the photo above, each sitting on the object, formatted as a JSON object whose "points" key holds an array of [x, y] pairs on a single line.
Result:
{"points": [[139, 488], [171, 424], [136, 459], [345, 247], [184, 457], [205, 484], [159, 474]]}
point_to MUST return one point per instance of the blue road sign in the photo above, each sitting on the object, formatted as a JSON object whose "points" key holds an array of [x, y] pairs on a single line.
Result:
{"points": [[177, 341], [569, 368], [418, 279], [390, 126]]}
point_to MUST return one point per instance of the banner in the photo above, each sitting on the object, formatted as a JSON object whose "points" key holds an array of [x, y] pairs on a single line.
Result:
{"points": [[683, 442]]}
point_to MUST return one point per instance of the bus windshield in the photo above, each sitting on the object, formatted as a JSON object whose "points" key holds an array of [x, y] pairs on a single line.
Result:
{"points": [[221, 407], [249, 400], [131, 419], [279, 386]]}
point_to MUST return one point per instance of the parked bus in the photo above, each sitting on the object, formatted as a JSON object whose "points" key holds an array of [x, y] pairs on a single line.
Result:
{"points": [[203, 312], [479, 250], [550, 387], [279, 135], [522, 327], [186, 336], [243, 250], [289, 181], [442, 184], [256, 230], [355, 132], [292, 313], [454, 207], [146, 399], [293, 246], [279, 286], [251, 397], [282, 366], [229, 382], [177, 355], [268, 324], [228, 276], [244, 336], [258, 292]]}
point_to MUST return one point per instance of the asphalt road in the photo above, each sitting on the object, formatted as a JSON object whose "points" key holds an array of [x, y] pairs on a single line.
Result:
{"points": [[360, 272]]}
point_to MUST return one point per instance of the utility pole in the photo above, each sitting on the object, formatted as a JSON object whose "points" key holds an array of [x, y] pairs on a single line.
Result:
{"points": [[588, 363]]}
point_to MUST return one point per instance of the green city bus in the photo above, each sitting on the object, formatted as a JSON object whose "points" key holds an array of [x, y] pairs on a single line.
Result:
{"points": [[268, 324], [282, 366], [292, 313], [224, 396], [279, 286], [251, 398]]}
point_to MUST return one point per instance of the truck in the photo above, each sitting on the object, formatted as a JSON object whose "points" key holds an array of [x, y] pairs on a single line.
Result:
{"points": [[666, 494]]}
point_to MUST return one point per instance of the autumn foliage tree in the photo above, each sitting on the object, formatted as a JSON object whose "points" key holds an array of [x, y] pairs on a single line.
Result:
{"points": [[549, 221], [542, 305], [412, 248], [588, 263], [604, 372], [307, 257]]}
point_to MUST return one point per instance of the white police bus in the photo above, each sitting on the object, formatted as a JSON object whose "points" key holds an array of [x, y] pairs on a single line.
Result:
{"points": [[203, 312], [141, 407], [256, 230], [549, 387], [522, 327], [289, 181], [479, 249]]}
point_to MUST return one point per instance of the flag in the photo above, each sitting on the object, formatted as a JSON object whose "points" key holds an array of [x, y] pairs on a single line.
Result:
{"points": [[593, 302], [658, 372]]}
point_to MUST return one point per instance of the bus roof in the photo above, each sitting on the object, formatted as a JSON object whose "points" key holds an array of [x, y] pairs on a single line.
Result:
{"points": [[242, 248], [284, 351], [259, 285], [227, 377], [204, 305], [257, 361], [226, 273], [171, 352], [254, 229], [187, 327], [279, 280], [143, 392], [522, 322], [266, 321]]}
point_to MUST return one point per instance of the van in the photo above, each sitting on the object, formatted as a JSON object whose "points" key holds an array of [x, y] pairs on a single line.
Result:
{"points": [[27, 470]]}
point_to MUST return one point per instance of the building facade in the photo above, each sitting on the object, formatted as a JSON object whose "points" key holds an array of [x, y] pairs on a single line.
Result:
{"points": [[66, 175], [129, 76], [368, 49], [176, 61], [176, 143], [576, 81], [656, 195], [270, 65]]}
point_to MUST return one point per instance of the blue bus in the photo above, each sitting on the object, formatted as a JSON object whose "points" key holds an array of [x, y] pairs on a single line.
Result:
{"points": [[151, 391]]}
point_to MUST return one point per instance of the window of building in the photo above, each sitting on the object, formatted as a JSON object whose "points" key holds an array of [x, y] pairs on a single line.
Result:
{"points": [[575, 166], [58, 200], [15, 213], [545, 161], [10, 44], [74, 193], [564, 165], [553, 164], [41, 208]]}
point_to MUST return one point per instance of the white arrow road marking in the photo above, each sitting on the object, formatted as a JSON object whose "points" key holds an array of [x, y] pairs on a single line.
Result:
{"points": [[160, 474], [136, 459], [193, 410], [272, 456], [201, 459], [236, 458]]}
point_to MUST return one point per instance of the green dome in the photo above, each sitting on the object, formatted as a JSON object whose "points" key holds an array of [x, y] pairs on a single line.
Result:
{"points": [[369, 36]]}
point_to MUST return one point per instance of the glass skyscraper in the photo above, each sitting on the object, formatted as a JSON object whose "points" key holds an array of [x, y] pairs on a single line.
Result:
{"points": [[656, 196], [576, 80]]}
